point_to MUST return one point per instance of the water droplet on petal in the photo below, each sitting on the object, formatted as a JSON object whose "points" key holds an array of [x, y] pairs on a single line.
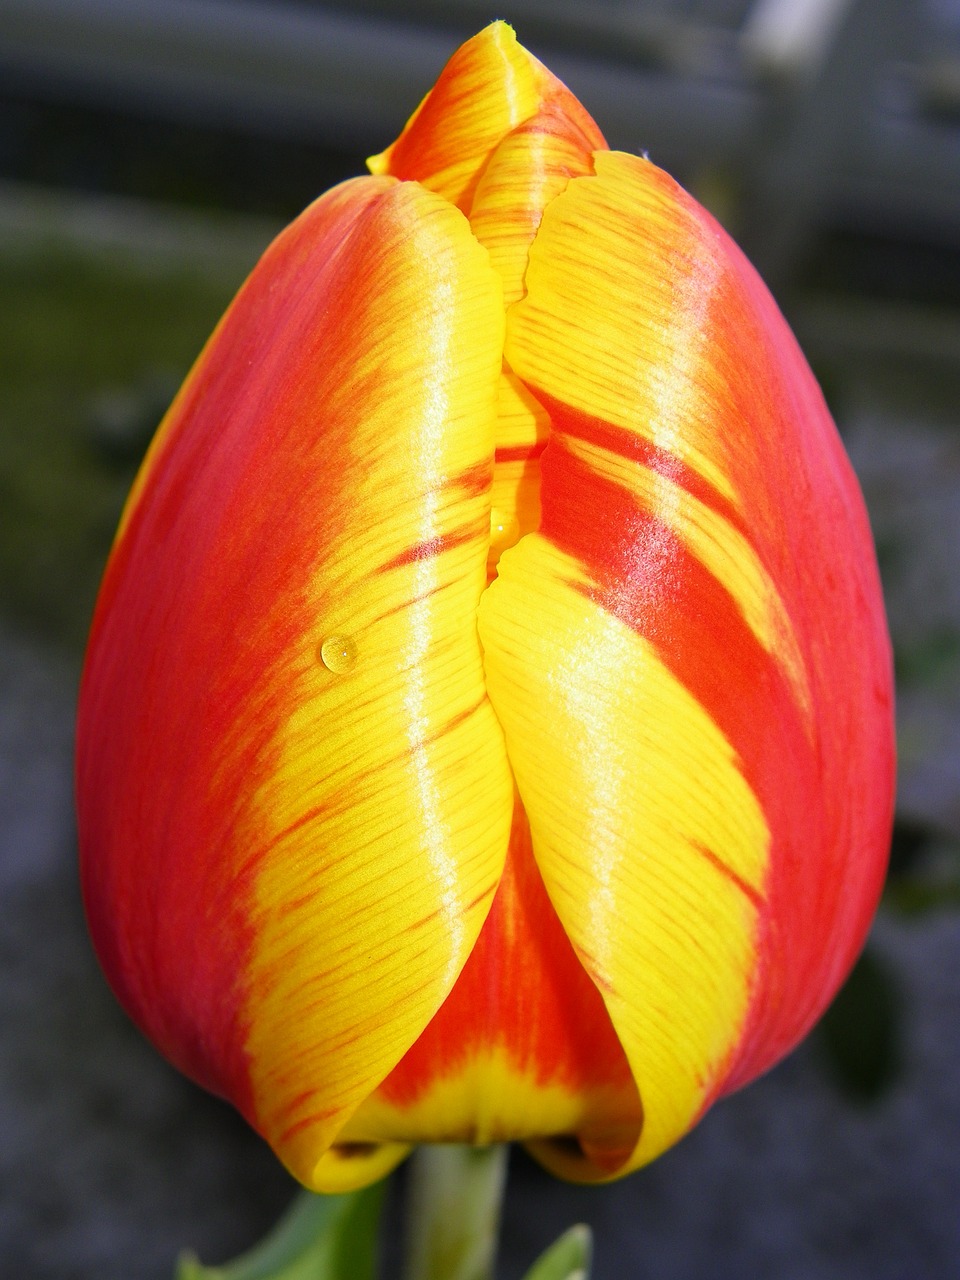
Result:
{"points": [[504, 529], [338, 654]]}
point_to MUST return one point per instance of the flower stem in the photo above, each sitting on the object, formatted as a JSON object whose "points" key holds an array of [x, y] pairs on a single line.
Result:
{"points": [[454, 1212]]}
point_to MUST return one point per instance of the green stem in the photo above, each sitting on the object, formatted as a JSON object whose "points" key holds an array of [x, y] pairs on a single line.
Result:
{"points": [[454, 1212]]}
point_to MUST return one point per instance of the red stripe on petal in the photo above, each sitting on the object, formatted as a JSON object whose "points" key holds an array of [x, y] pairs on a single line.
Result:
{"points": [[569, 421], [744, 886], [520, 452], [523, 990], [432, 547]]}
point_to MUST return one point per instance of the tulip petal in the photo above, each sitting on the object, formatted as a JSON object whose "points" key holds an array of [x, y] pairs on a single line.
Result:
{"points": [[529, 168], [523, 427], [700, 728], [522, 1047], [283, 720], [650, 842], [490, 85]]}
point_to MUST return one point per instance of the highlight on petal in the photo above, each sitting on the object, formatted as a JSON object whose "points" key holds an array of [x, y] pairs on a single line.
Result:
{"points": [[489, 86], [283, 721]]}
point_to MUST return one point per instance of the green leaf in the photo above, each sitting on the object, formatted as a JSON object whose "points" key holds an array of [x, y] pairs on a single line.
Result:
{"points": [[861, 1032], [567, 1258], [320, 1238]]}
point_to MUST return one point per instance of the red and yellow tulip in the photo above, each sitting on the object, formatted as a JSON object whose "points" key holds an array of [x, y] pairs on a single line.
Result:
{"points": [[485, 732]]}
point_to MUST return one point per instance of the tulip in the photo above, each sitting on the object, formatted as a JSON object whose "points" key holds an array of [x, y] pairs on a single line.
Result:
{"points": [[485, 732]]}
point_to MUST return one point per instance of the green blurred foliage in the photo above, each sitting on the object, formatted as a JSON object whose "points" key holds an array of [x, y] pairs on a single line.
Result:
{"points": [[92, 347], [933, 662], [924, 868], [860, 1034]]}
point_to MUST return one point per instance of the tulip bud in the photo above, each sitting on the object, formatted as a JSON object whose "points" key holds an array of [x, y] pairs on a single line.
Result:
{"points": [[485, 731]]}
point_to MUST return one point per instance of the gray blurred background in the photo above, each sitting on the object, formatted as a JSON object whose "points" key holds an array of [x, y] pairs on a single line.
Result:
{"points": [[149, 149]]}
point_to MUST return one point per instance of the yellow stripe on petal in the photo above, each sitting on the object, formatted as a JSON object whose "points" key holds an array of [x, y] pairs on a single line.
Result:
{"points": [[619, 288], [651, 844], [529, 168], [389, 803], [617, 325], [489, 85]]}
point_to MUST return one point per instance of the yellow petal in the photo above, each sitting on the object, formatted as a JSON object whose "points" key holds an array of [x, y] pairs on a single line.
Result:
{"points": [[614, 320]]}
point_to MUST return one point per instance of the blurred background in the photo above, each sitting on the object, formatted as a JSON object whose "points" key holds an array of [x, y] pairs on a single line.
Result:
{"points": [[149, 149]]}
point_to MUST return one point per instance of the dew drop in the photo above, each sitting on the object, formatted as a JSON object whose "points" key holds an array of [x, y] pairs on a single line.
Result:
{"points": [[504, 529], [338, 654]]}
